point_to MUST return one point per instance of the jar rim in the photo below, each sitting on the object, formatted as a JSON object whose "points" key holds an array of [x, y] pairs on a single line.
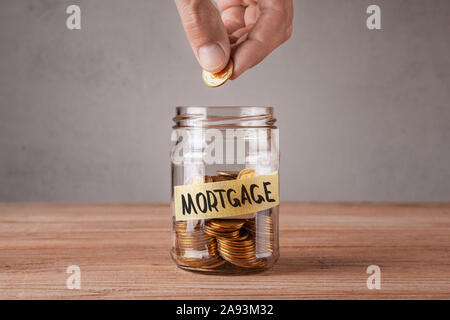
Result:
{"points": [[224, 117]]}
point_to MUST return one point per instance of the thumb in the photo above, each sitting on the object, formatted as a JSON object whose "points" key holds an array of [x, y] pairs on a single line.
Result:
{"points": [[206, 33]]}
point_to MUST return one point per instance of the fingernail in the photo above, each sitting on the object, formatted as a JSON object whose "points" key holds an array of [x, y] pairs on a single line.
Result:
{"points": [[211, 57]]}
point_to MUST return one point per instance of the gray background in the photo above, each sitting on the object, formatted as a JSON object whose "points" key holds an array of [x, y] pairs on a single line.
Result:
{"points": [[86, 115]]}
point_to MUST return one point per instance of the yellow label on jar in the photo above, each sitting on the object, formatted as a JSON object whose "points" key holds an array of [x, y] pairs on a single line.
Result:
{"points": [[226, 198]]}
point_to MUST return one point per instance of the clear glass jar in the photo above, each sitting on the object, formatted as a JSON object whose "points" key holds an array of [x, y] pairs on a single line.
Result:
{"points": [[224, 199]]}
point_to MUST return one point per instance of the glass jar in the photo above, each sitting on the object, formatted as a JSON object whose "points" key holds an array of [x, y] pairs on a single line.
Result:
{"points": [[225, 193]]}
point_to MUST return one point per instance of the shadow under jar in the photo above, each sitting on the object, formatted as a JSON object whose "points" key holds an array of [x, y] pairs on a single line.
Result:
{"points": [[225, 193]]}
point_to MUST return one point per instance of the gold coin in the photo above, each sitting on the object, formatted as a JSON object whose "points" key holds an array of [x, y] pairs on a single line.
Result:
{"points": [[246, 173], [231, 174], [197, 247], [232, 254], [240, 245], [215, 233], [241, 236], [222, 178], [207, 263], [241, 259], [188, 243], [218, 78], [227, 224], [213, 263], [182, 226], [202, 263]]}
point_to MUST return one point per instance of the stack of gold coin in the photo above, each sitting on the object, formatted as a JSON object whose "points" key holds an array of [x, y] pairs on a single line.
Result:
{"points": [[240, 252], [224, 228], [194, 247], [235, 245]]}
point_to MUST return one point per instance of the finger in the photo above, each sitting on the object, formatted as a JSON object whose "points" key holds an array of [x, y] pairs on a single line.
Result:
{"points": [[235, 45], [238, 37], [232, 39], [273, 27], [233, 18], [206, 33], [225, 4], [251, 15], [240, 32], [237, 14]]}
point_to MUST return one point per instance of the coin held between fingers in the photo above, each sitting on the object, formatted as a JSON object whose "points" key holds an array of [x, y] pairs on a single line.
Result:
{"points": [[218, 78]]}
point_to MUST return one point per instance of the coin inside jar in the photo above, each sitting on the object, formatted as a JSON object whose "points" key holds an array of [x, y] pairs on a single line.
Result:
{"points": [[194, 247], [227, 224], [230, 174], [241, 253], [246, 173]]}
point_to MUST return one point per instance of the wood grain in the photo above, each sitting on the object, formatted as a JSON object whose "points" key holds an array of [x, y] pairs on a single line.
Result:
{"points": [[123, 253]]}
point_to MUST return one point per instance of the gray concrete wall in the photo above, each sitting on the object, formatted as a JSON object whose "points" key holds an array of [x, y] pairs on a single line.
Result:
{"points": [[86, 115]]}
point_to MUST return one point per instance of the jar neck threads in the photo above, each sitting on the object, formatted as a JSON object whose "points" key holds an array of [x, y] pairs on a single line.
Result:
{"points": [[224, 117]]}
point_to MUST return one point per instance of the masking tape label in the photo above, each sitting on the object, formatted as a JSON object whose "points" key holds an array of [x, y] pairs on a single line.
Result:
{"points": [[226, 198]]}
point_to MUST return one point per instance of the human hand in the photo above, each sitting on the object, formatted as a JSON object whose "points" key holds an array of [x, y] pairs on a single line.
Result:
{"points": [[247, 30]]}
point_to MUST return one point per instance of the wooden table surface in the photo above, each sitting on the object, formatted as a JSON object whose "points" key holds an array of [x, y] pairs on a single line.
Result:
{"points": [[123, 252]]}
